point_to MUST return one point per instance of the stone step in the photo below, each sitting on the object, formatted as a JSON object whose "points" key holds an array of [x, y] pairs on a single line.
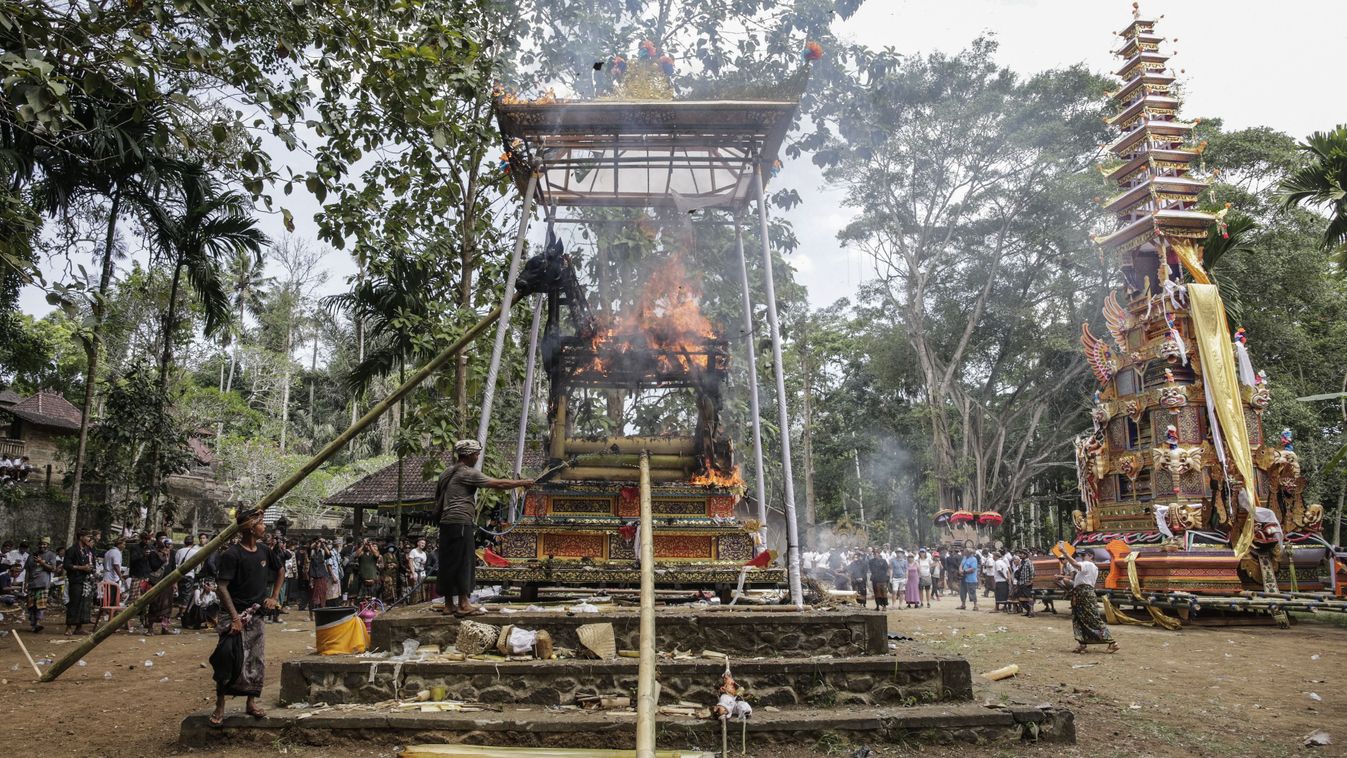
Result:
{"points": [[945, 724], [737, 633], [906, 679]]}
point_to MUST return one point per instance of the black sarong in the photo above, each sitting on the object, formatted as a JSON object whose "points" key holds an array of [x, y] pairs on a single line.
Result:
{"points": [[457, 574]]}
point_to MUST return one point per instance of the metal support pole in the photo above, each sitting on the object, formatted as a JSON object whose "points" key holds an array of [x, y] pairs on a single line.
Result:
{"points": [[646, 692], [860, 490], [281, 490], [525, 400], [760, 487], [783, 415], [502, 326]]}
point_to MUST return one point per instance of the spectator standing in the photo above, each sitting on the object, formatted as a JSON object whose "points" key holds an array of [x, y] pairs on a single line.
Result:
{"points": [[41, 567], [968, 585], [81, 583]]}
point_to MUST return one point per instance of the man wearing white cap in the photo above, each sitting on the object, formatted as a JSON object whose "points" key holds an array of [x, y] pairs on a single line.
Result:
{"points": [[456, 512]]}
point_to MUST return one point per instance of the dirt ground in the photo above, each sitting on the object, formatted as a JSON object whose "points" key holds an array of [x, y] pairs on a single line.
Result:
{"points": [[1243, 691]]}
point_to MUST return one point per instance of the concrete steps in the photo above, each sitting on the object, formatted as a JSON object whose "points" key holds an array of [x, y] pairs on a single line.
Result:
{"points": [[521, 726], [908, 678]]}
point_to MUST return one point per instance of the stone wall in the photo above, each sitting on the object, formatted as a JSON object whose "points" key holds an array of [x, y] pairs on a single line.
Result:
{"points": [[869, 680], [749, 634]]}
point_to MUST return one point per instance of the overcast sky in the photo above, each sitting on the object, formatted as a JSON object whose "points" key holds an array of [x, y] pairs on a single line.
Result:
{"points": [[1250, 63]]}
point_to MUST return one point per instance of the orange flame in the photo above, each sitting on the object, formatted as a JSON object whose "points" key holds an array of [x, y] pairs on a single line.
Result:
{"points": [[667, 318], [717, 478]]}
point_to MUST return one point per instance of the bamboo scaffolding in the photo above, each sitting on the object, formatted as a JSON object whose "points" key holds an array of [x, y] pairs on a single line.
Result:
{"points": [[632, 445], [270, 499], [646, 694], [619, 474]]}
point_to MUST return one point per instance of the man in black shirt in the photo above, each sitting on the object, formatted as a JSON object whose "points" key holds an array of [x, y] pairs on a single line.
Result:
{"points": [[247, 588]]}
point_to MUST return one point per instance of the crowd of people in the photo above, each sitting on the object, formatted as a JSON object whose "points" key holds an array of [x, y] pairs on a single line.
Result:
{"points": [[99, 573], [14, 470], [914, 578]]}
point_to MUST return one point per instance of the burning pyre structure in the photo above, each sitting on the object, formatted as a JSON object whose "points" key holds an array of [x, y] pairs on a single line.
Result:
{"points": [[1179, 477], [676, 157]]}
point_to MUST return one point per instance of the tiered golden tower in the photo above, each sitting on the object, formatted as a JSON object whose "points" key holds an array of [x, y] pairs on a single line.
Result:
{"points": [[1176, 457]]}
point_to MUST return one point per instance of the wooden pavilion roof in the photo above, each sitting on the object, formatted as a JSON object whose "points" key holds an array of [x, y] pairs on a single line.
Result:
{"points": [[682, 154]]}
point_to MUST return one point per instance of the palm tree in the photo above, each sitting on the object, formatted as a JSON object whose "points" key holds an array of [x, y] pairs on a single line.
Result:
{"points": [[1322, 183], [114, 157], [196, 234], [248, 283]]}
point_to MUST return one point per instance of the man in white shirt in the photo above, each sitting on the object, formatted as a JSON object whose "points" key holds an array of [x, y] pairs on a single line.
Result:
{"points": [[1001, 576], [112, 562], [1086, 622], [416, 561]]}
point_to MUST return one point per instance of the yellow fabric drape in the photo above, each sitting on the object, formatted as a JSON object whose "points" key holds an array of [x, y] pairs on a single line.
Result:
{"points": [[1134, 584], [1191, 258], [1212, 335]]}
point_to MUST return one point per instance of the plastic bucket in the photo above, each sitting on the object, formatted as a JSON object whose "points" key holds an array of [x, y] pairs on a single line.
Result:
{"points": [[325, 616]]}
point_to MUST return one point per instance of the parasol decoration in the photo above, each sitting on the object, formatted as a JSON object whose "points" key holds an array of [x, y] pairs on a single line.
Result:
{"points": [[990, 518], [942, 516], [962, 517]]}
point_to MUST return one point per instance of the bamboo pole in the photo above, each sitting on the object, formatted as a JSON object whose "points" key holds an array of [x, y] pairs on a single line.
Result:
{"points": [[645, 672], [632, 445], [24, 648], [280, 491]]}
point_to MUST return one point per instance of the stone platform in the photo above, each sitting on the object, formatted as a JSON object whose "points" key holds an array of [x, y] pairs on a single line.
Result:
{"points": [[945, 724], [864, 680], [814, 677], [737, 633]]}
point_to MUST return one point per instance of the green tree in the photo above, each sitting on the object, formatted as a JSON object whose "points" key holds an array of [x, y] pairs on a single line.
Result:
{"points": [[1322, 183]]}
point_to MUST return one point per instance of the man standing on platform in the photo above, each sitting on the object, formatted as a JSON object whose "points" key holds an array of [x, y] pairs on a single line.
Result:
{"points": [[240, 655], [456, 513]]}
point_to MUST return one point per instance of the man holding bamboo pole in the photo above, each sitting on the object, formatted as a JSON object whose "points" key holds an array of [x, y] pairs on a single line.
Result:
{"points": [[456, 513], [239, 660]]}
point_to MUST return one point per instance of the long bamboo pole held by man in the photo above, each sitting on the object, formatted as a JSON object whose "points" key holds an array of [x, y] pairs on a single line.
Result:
{"points": [[223, 538]]}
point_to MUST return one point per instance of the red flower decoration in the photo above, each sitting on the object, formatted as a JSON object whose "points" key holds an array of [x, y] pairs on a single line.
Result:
{"points": [[666, 63], [813, 51], [647, 49]]}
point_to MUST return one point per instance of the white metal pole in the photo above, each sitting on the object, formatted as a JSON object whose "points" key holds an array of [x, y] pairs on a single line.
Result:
{"points": [[860, 490], [783, 415], [503, 325], [526, 400], [759, 476]]}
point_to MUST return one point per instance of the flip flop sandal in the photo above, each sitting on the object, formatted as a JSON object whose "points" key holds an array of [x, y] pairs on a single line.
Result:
{"points": [[256, 713], [215, 724]]}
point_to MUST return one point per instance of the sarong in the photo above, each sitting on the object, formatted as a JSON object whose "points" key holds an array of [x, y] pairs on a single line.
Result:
{"points": [[37, 599], [80, 608], [239, 660], [458, 561], [881, 588], [1086, 621], [318, 591]]}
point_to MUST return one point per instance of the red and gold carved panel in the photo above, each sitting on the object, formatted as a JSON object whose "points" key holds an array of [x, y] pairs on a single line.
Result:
{"points": [[734, 547], [535, 504], [680, 507], [518, 545], [629, 502], [689, 546], [570, 545], [583, 505], [620, 549], [720, 506]]}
